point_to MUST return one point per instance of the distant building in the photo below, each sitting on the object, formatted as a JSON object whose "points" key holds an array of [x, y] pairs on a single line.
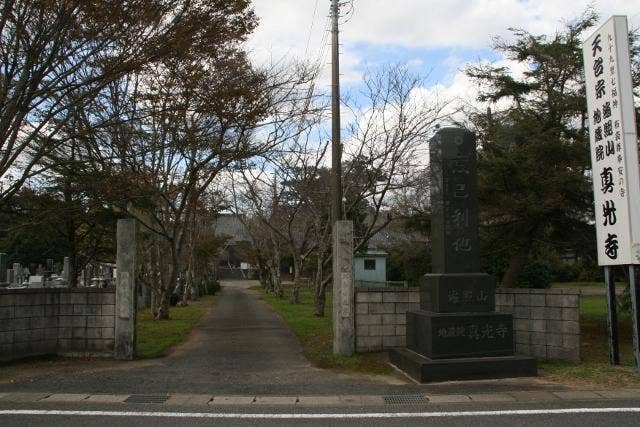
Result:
{"points": [[232, 262], [231, 225], [370, 268]]}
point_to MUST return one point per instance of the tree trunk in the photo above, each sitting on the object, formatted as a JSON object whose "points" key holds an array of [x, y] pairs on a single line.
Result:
{"points": [[321, 285], [295, 290], [162, 309], [516, 264], [167, 286], [189, 280], [276, 281], [263, 275]]}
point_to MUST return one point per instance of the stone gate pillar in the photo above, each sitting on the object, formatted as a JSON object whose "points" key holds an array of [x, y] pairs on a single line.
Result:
{"points": [[125, 344], [343, 289]]}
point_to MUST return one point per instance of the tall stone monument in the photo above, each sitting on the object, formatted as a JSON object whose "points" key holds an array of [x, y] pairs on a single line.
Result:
{"points": [[457, 334]]}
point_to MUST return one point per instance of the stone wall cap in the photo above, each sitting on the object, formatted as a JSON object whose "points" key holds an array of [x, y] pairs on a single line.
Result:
{"points": [[554, 291], [387, 289], [512, 291], [9, 291], [570, 291]]}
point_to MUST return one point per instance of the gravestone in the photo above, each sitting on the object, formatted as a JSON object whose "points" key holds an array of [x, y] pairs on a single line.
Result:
{"points": [[18, 274], [66, 268], [49, 265], [457, 334], [11, 276], [36, 281], [3, 267]]}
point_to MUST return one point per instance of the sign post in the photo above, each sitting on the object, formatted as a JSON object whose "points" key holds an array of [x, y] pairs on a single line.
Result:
{"points": [[612, 315], [614, 160]]}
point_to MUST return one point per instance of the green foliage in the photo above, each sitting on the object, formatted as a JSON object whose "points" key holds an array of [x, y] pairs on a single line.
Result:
{"points": [[45, 224], [590, 271], [565, 272], [534, 190], [155, 337], [212, 287], [408, 261], [536, 275]]}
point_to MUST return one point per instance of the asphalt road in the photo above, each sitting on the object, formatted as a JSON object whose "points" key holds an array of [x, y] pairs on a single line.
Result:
{"points": [[580, 414]]}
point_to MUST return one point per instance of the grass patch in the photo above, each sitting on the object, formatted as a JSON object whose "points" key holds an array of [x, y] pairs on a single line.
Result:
{"points": [[316, 335], [594, 370], [590, 285], [155, 337]]}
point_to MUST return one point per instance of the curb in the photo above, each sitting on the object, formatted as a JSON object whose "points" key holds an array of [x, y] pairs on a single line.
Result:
{"points": [[311, 401]]}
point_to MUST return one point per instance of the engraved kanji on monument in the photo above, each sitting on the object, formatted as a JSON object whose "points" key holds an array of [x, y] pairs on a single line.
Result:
{"points": [[457, 334]]}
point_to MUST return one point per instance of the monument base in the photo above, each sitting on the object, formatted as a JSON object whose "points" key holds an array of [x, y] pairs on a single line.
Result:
{"points": [[452, 335], [424, 370]]}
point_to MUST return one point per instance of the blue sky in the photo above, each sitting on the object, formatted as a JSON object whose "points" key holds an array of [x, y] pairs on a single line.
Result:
{"points": [[434, 38]]}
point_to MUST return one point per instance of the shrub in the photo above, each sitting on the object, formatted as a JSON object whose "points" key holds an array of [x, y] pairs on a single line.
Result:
{"points": [[536, 275], [565, 272], [173, 301], [212, 286]]}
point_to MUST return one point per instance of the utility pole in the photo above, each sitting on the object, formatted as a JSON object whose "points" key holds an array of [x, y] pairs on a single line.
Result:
{"points": [[342, 253], [336, 147]]}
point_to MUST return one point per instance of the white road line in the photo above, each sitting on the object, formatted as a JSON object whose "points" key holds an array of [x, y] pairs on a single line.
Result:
{"points": [[367, 415]]}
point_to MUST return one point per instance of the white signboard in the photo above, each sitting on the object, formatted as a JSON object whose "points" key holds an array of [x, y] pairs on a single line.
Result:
{"points": [[614, 152]]}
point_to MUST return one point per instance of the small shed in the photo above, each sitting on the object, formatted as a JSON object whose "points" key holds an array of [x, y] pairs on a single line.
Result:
{"points": [[370, 268]]}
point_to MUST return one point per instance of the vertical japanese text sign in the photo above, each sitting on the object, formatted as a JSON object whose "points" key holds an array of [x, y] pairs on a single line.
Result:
{"points": [[614, 152]]}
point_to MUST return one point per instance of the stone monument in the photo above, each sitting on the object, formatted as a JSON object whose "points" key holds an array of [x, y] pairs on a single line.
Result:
{"points": [[18, 274], [66, 269], [457, 334]]}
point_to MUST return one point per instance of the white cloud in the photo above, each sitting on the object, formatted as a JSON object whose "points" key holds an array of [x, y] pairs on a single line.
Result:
{"points": [[287, 25], [298, 29]]}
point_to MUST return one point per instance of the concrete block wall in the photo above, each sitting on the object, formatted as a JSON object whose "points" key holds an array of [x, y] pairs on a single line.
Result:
{"points": [[381, 317], [546, 321], [36, 322]]}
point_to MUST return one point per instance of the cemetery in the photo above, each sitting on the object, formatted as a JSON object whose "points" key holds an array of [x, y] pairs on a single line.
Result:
{"points": [[96, 275]]}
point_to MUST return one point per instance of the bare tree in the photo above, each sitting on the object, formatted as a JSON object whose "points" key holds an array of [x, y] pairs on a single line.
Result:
{"points": [[388, 147], [57, 55], [279, 195], [384, 157]]}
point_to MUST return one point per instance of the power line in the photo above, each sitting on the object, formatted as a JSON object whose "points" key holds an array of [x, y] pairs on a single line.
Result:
{"points": [[313, 21]]}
